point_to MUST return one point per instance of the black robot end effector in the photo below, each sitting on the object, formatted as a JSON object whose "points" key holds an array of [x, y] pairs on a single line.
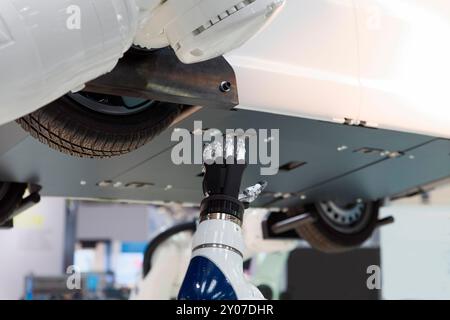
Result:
{"points": [[221, 184]]}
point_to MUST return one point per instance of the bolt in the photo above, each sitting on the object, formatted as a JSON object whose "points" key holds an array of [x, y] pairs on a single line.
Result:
{"points": [[117, 184], [278, 195], [225, 86], [106, 183]]}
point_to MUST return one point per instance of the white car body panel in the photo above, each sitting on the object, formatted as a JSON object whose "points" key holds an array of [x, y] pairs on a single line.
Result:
{"points": [[384, 62], [51, 47], [405, 66], [44, 53], [304, 64], [381, 63]]}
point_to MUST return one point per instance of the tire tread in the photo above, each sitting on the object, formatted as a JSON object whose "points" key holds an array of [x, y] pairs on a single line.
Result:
{"points": [[59, 131]]}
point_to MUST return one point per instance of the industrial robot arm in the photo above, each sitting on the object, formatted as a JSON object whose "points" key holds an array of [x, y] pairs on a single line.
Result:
{"points": [[216, 268]]}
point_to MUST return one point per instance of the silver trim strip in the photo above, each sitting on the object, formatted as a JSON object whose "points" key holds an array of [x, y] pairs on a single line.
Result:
{"points": [[219, 246], [221, 216]]}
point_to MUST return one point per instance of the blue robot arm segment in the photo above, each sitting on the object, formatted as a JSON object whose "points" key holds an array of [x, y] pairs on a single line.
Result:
{"points": [[205, 281]]}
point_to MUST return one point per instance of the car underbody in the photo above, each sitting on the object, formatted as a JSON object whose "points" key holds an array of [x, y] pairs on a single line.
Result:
{"points": [[318, 160]]}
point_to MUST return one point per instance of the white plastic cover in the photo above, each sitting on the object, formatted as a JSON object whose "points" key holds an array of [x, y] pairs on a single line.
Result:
{"points": [[49, 47], [199, 30]]}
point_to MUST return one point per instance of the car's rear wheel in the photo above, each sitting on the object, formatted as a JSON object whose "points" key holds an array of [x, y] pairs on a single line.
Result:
{"points": [[340, 227], [95, 125]]}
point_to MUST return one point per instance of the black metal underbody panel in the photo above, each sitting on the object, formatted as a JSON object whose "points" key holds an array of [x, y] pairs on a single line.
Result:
{"points": [[161, 76], [328, 174]]}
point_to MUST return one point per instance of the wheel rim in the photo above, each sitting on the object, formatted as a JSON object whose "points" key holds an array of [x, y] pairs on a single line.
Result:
{"points": [[347, 219], [110, 104]]}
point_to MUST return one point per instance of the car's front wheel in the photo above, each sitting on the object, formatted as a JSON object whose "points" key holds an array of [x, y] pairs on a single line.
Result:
{"points": [[97, 126]]}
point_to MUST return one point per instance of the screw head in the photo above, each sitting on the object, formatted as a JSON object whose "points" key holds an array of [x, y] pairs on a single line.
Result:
{"points": [[225, 86]]}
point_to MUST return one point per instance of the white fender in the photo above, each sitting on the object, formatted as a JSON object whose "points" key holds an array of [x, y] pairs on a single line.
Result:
{"points": [[50, 47], [381, 63]]}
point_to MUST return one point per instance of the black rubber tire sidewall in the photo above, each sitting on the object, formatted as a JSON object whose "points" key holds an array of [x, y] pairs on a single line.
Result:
{"points": [[71, 128]]}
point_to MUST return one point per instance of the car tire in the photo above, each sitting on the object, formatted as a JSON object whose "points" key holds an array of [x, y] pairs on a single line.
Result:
{"points": [[328, 236], [69, 127], [11, 195]]}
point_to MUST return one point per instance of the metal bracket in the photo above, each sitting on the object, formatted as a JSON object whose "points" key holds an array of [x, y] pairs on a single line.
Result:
{"points": [[160, 76], [292, 223], [279, 225], [32, 199]]}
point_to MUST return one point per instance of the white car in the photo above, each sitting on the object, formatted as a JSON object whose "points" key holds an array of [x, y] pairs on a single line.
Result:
{"points": [[375, 63], [363, 65]]}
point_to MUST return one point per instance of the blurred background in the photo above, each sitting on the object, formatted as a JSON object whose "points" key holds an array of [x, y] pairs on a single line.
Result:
{"points": [[106, 244]]}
